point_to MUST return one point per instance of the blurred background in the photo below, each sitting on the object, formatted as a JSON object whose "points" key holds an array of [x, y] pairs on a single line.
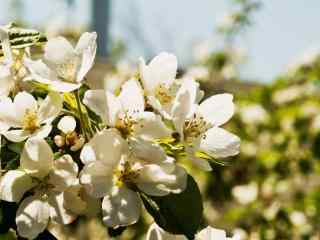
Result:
{"points": [[264, 52]]}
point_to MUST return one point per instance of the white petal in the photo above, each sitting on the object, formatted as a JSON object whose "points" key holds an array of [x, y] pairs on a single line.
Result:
{"points": [[37, 157], [40, 72], [105, 104], [14, 184], [17, 135], [151, 127], [86, 47], [32, 217], [59, 50], [161, 70], [50, 107], [42, 132], [64, 173], [121, 208], [143, 150], [60, 86], [106, 146], [6, 80], [97, 102], [210, 233], [162, 179], [157, 233], [8, 113], [67, 124], [97, 179], [217, 109], [58, 212], [24, 102], [180, 111], [193, 87], [220, 143], [131, 97]]}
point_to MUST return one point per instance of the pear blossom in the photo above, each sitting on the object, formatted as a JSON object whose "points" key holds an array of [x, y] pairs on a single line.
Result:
{"points": [[198, 125], [208, 233], [67, 126], [115, 170], [126, 112], [47, 180], [158, 80], [64, 67], [27, 117]]}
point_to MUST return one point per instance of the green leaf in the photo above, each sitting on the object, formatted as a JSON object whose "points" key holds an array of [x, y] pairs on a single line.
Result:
{"points": [[177, 213], [22, 37]]}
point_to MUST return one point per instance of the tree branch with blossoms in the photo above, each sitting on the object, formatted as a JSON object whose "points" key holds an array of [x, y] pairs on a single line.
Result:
{"points": [[69, 151]]}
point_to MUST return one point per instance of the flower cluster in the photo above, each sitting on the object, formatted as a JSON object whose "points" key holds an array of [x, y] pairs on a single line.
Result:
{"points": [[119, 149]]}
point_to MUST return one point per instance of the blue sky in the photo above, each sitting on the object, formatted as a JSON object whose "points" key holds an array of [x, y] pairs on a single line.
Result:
{"points": [[283, 29]]}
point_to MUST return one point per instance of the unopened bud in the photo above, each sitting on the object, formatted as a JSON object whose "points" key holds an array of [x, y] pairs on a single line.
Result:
{"points": [[59, 141]]}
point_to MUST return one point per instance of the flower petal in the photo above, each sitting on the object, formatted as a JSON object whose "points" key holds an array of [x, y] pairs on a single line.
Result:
{"points": [[64, 173], [58, 212], [24, 102], [58, 51], [106, 146], [8, 113], [161, 70], [87, 47], [217, 109], [143, 149], [14, 184], [6, 80], [105, 104], [121, 208], [42, 132], [220, 143], [162, 179], [50, 107], [180, 111], [32, 217], [67, 124], [17, 135], [211, 233], [157, 233], [97, 179], [131, 97], [37, 157], [40, 72], [61, 86], [150, 127]]}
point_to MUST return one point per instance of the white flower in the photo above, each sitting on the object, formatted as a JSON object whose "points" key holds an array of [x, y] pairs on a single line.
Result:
{"points": [[64, 67], [199, 125], [158, 80], [208, 233], [47, 179], [126, 112], [27, 117], [113, 168]]}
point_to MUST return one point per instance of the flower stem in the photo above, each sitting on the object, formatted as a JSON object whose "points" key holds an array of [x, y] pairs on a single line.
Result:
{"points": [[81, 116]]}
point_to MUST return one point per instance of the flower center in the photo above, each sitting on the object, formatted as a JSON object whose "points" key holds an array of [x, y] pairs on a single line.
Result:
{"points": [[164, 94], [195, 127], [43, 187], [125, 124], [125, 174], [68, 70], [30, 121]]}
